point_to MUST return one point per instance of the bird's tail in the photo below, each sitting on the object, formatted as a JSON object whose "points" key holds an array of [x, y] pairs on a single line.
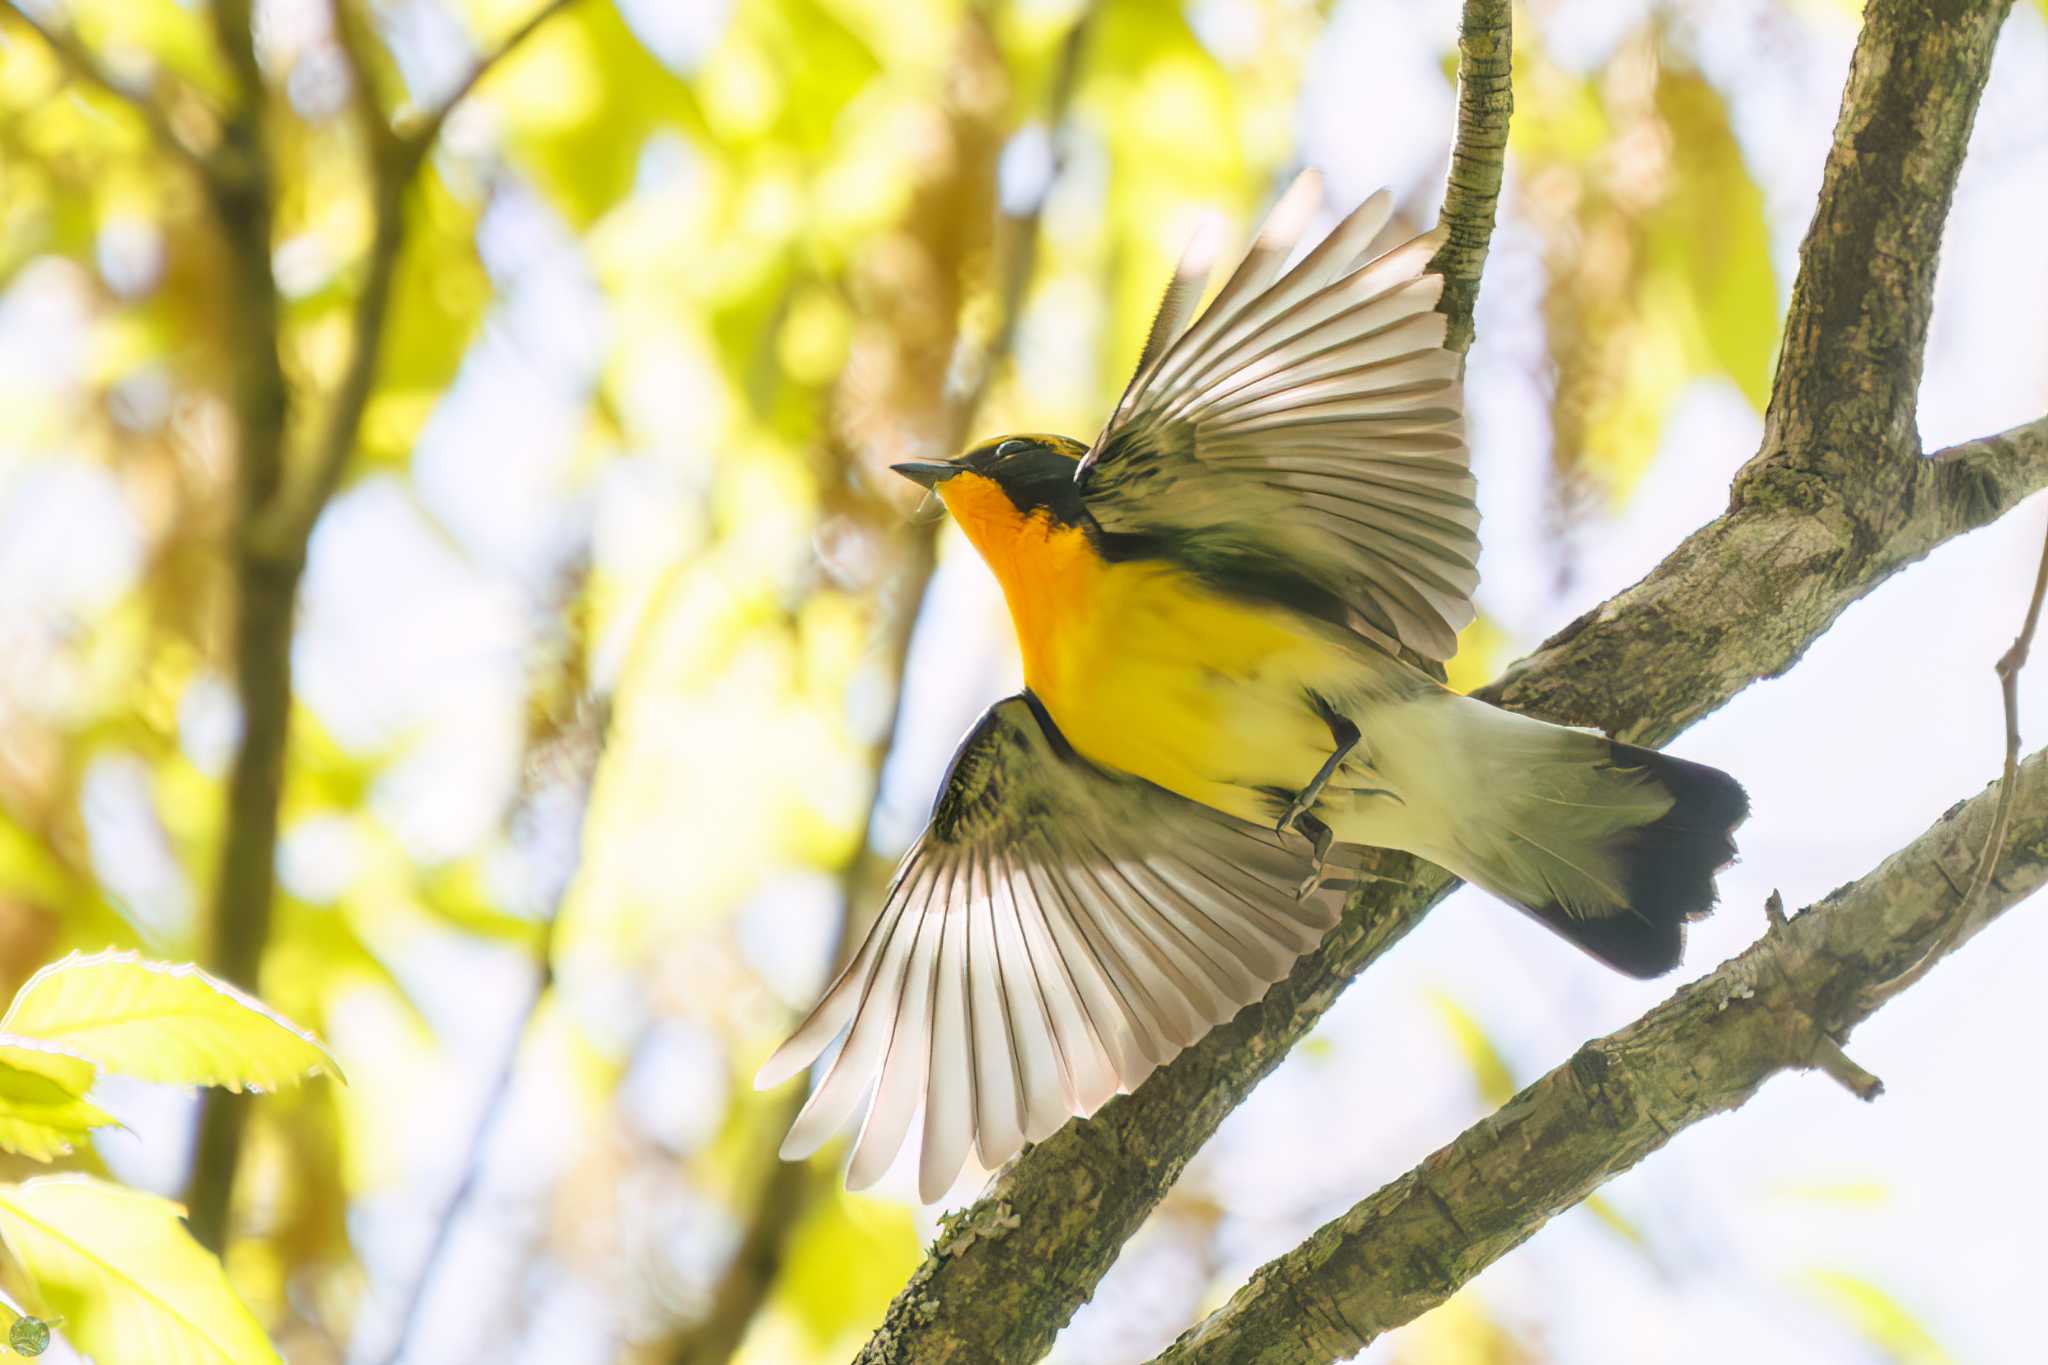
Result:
{"points": [[1613, 846]]}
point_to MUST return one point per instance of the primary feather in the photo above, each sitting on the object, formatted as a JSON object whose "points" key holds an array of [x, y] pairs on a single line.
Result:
{"points": [[1308, 424], [1058, 932]]}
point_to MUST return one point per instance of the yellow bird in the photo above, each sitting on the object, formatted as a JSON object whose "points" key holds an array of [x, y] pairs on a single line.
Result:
{"points": [[1212, 602]]}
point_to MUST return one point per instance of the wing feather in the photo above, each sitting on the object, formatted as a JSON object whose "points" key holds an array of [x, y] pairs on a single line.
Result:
{"points": [[1308, 424], [949, 1097], [1058, 933], [904, 1063], [998, 1115], [1084, 1011]]}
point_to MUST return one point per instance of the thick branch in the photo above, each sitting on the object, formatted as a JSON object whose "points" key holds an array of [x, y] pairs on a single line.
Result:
{"points": [[1849, 371], [1785, 1003], [276, 512], [266, 585], [1741, 599]]}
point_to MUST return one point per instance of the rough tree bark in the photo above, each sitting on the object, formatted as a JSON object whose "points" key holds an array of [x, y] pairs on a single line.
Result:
{"points": [[1784, 1003], [1837, 499]]}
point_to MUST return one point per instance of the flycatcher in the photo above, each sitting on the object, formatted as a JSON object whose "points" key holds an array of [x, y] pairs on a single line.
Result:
{"points": [[1213, 603]]}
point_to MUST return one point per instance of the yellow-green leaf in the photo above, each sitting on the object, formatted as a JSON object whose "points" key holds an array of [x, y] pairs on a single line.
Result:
{"points": [[127, 1277], [165, 1023], [41, 1119], [1713, 234], [69, 1070]]}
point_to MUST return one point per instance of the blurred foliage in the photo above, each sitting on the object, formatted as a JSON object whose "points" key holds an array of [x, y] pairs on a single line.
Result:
{"points": [[676, 285], [1876, 1315], [1656, 252]]}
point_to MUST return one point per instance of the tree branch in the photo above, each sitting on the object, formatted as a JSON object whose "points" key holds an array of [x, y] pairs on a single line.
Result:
{"points": [[1784, 1003], [1967, 920], [1740, 599], [277, 511], [1486, 101], [266, 581], [396, 158], [80, 61], [418, 137]]}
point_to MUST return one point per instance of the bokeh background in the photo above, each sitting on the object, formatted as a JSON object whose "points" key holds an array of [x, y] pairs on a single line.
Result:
{"points": [[599, 743]]}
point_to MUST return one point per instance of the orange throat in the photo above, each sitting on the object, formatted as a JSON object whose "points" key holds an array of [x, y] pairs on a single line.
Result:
{"points": [[1047, 572]]}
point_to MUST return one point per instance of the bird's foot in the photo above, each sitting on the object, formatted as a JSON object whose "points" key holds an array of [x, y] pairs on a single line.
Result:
{"points": [[1297, 816], [1296, 808], [1320, 839]]}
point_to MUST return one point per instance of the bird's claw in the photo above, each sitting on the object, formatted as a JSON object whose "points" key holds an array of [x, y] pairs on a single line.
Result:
{"points": [[1295, 810], [1320, 839]]}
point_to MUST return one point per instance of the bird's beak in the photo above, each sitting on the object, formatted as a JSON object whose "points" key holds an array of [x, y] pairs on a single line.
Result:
{"points": [[929, 473]]}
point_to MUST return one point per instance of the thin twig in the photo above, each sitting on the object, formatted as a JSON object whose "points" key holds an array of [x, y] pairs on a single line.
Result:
{"points": [[1968, 918], [497, 1105], [80, 60], [396, 158], [418, 136], [1824, 1053], [1486, 103], [1828, 1057]]}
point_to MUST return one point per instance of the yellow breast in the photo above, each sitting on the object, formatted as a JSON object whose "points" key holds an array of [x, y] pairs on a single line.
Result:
{"points": [[1146, 670]]}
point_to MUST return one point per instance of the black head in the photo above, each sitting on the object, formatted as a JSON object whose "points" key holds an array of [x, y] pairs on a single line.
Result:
{"points": [[1036, 472]]}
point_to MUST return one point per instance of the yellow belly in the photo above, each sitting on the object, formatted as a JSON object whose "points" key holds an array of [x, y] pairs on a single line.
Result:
{"points": [[1153, 674]]}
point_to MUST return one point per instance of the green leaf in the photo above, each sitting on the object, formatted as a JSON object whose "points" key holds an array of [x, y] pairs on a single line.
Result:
{"points": [[42, 1120], [166, 1023], [43, 1110], [127, 1277], [69, 1070], [1712, 233]]}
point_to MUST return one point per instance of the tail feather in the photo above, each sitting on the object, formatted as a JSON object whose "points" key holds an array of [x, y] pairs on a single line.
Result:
{"points": [[1613, 846], [1666, 867]]}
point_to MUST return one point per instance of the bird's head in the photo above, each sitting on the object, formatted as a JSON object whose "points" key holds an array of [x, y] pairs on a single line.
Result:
{"points": [[998, 488]]}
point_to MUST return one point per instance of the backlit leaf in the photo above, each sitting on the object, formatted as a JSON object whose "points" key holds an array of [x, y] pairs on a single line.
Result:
{"points": [[165, 1023], [1711, 233], [40, 1118], [127, 1277]]}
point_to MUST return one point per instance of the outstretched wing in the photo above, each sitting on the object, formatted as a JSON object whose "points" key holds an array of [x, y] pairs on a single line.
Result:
{"points": [[1057, 933], [1307, 426]]}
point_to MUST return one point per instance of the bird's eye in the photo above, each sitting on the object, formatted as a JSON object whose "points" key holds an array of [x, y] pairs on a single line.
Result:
{"points": [[1015, 445]]}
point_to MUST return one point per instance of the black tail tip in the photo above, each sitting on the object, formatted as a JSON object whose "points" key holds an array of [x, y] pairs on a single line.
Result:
{"points": [[1668, 866]]}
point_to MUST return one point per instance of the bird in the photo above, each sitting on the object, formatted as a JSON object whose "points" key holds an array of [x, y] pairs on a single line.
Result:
{"points": [[1226, 606]]}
